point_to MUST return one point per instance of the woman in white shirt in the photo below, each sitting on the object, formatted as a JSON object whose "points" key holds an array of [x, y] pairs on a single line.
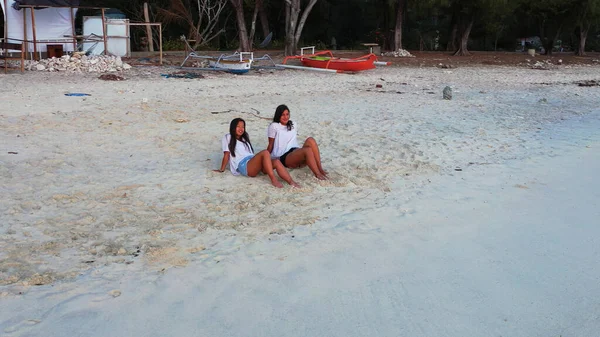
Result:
{"points": [[283, 144], [238, 152]]}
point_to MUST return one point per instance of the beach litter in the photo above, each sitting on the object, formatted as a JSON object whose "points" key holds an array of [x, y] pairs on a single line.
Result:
{"points": [[588, 83], [182, 74], [111, 77], [77, 94]]}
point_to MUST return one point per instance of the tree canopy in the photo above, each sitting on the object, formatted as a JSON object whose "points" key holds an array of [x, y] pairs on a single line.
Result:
{"points": [[455, 25]]}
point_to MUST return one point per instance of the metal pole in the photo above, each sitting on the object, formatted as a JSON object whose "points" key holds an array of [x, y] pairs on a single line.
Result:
{"points": [[309, 68]]}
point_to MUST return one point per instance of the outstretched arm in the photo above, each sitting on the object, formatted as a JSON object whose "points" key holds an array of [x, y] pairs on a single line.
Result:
{"points": [[224, 162], [270, 146]]}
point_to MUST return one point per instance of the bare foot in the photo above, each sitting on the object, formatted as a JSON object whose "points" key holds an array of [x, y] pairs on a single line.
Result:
{"points": [[323, 172], [276, 183], [321, 177], [295, 184]]}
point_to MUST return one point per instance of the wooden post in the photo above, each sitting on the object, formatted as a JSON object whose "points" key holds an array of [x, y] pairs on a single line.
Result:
{"points": [[5, 23], [73, 30], [35, 55], [160, 42], [148, 28], [25, 42], [104, 32], [6, 35]]}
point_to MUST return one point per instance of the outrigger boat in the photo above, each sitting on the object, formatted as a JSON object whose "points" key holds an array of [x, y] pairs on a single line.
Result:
{"points": [[236, 63], [326, 60]]}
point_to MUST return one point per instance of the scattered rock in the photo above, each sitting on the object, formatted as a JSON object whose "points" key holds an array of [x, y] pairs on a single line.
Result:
{"points": [[378, 86], [115, 293], [79, 63], [447, 93], [399, 53], [543, 65]]}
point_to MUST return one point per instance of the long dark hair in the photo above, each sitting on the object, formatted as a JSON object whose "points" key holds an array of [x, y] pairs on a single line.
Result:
{"points": [[277, 118], [244, 138]]}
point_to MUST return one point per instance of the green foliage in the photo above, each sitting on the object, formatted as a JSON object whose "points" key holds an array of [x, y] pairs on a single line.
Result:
{"points": [[173, 44], [427, 23]]}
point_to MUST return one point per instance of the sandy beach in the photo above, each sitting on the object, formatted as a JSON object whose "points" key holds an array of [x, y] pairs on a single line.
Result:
{"points": [[476, 216]]}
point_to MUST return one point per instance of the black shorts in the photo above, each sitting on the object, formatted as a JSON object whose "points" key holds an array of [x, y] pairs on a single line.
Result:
{"points": [[282, 158]]}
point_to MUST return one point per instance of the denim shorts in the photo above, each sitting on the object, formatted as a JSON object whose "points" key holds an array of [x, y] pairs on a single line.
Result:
{"points": [[243, 166]]}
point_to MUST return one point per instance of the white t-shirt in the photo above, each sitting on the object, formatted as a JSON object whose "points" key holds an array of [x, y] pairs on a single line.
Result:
{"points": [[242, 150], [284, 139]]}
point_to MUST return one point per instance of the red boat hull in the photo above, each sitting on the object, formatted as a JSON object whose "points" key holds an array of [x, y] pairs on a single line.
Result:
{"points": [[358, 64]]}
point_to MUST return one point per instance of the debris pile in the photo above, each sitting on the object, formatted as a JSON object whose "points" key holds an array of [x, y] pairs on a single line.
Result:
{"points": [[542, 65], [79, 63], [399, 53]]}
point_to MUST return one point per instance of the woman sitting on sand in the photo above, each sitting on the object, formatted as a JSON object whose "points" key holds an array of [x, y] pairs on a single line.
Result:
{"points": [[283, 144], [237, 147]]}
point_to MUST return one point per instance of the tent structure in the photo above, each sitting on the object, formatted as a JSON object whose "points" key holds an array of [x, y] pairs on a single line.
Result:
{"points": [[39, 23]]}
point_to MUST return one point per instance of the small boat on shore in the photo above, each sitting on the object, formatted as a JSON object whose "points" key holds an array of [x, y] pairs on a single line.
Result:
{"points": [[325, 60], [236, 63]]}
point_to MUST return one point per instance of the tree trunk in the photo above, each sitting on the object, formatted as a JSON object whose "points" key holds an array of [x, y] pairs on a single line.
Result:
{"points": [[583, 32], [398, 30], [264, 19], [464, 39], [451, 46], [253, 24], [302, 21], [291, 15], [238, 6], [293, 27]]}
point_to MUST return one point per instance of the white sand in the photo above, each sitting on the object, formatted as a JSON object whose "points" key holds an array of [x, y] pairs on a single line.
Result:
{"points": [[111, 205]]}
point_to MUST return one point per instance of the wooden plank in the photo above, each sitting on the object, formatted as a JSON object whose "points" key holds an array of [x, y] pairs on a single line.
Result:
{"points": [[160, 43], [73, 30], [35, 55], [104, 32]]}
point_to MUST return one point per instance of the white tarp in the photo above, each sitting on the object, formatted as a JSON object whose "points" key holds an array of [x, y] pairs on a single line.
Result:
{"points": [[51, 25]]}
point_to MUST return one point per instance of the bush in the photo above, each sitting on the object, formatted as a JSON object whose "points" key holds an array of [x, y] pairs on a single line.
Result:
{"points": [[173, 44]]}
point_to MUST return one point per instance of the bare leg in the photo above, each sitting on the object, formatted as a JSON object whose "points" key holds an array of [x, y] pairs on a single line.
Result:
{"points": [[304, 156], [312, 144], [283, 173], [262, 162]]}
